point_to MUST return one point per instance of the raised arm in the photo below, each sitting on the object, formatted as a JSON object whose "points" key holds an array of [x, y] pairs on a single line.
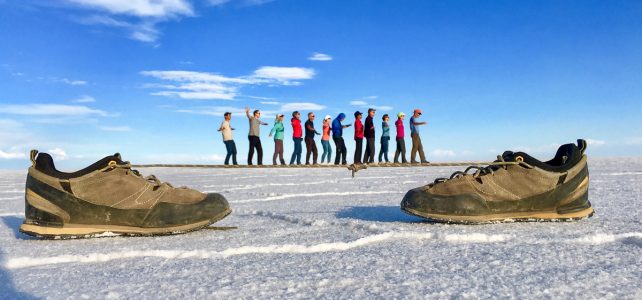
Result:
{"points": [[247, 112]]}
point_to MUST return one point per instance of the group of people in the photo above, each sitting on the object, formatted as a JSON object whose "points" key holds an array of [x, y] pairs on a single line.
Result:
{"points": [[330, 129]]}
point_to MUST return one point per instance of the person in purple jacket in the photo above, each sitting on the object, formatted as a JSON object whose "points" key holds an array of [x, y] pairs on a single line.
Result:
{"points": [[401, 143]]}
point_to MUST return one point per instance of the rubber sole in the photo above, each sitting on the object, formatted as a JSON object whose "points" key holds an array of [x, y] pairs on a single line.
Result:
{"points": [[72, 231], [505, 217]]}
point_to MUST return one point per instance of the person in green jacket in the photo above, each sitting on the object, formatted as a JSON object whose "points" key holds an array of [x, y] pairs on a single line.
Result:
{"points": [[278, 130]]}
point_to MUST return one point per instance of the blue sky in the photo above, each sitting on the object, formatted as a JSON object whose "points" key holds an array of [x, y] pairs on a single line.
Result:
{"points": [[151, 79]]}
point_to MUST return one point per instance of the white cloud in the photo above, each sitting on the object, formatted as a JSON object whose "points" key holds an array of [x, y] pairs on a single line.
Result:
{"points": [[182, 158], [240, 2], [205, 85], [58, 154], [270, 102], [12, 155], [366, 104], [302, 106], [595, 143], [140, 8], [73, 82], [283, 75], [443, 153], [84, 99], [147, 12], [50, 110], [115, 128], [320, 57]]}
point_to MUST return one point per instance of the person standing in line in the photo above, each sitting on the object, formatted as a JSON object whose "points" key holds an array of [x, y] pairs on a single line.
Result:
{"points": [[254, 136], [401, 143], [297, 134], [230, 146], [369, 134], [337, 137], [358, 137], [416, 139], [310, 144], [325, 139], [278, 131], [385, 138]]}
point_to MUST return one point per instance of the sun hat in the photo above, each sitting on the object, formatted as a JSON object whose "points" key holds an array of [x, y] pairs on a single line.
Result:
{"points": [[400, 114]]}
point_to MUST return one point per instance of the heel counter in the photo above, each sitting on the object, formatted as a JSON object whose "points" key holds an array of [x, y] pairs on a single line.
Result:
{"points": [[39, 210]]}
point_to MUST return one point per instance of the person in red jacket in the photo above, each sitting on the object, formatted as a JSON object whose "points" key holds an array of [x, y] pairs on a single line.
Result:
{"points": [[358, 136], [297, 136]]}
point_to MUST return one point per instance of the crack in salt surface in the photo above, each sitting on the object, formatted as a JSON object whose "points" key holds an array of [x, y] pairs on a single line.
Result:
{"points": [[26, 262], [314, 223], [308, 195]]}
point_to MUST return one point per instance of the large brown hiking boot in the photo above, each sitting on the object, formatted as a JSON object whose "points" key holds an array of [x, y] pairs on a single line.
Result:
{"points": [[514, 187], [110, 197]]}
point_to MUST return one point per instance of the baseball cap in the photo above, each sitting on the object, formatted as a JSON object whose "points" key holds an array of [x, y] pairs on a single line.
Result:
{"points": [[400, 114], [356, 113], [417, 110], [371, 109], [327, 117]]}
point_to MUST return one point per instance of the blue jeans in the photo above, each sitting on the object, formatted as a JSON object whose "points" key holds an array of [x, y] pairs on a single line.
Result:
{"points": [[230, 146], [326, 150], [298, 149], [384, 148]]}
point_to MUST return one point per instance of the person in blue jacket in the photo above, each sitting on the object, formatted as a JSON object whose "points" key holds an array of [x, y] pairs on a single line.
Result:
{"points": [[337, 137]]}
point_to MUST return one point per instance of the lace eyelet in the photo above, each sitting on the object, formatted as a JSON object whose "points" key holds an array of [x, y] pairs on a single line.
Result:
{"points": [[519, 159]]}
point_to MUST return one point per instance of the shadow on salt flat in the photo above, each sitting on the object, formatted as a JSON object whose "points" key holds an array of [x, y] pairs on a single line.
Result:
{"points": [[14, 223], [634, 240], [377, 213]]}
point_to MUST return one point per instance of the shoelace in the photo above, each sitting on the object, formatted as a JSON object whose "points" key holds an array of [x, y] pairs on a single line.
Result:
{"points": [[128, 169], [489, 169]]}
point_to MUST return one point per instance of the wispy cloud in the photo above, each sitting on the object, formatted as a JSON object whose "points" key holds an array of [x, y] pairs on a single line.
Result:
{"points": [[442, 153], [72, 82], [320, 57], [84, 99], [12, 155], [58, 154], [211, 86], [270, 102], [115, 128], [302, 106], [51, 110], [366, 104], [595, 143], [146, 14], [239, 2], [281, 75]]}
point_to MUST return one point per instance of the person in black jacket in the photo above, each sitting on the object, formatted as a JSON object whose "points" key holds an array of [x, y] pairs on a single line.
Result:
{"points": [[310, 144], [369, 134]]}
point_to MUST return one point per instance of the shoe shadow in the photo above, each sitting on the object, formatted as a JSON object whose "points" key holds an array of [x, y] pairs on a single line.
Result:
{"points": [[379, 214], [14, 223]]}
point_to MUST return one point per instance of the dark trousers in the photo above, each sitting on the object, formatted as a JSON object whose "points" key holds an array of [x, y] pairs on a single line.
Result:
{"points": [[278, 151], [230, 147], [342, 152], [384, 148], [417, 147], [296, 155], [369, 155], [357, 151], [401, 150], [255, 142], [311, 148]]}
